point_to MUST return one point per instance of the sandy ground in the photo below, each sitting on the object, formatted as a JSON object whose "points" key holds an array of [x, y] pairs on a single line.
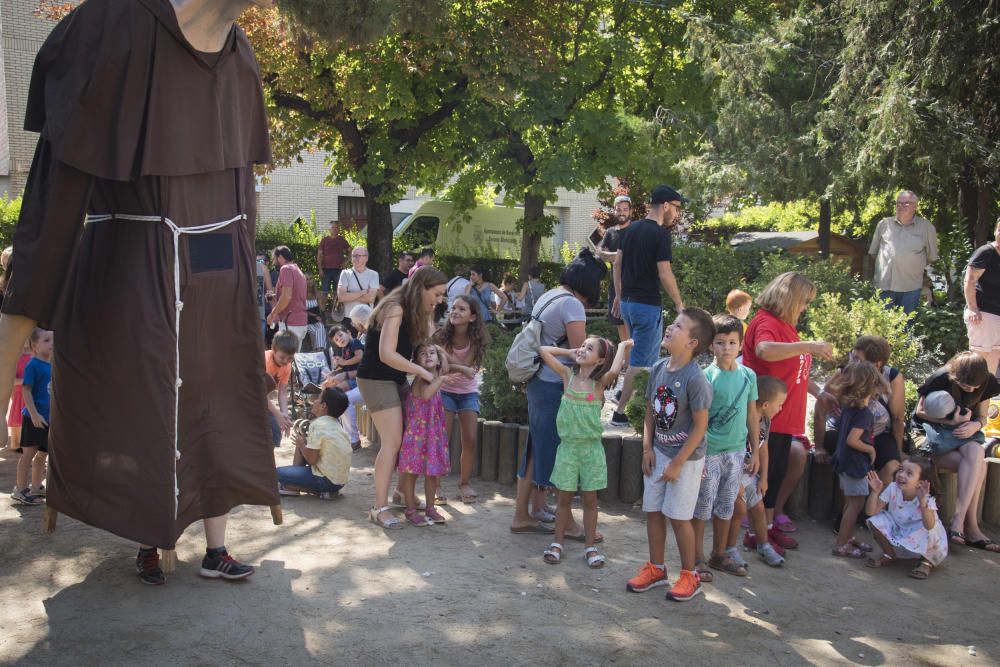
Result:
{"points": [[333, 588]]}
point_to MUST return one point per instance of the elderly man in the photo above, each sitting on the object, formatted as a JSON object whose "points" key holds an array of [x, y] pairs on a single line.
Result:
{"points": [[641, 268], [903, 246], [359, 284]]}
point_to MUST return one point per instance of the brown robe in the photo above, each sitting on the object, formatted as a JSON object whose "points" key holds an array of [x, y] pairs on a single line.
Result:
{"points": [[134, 121]]}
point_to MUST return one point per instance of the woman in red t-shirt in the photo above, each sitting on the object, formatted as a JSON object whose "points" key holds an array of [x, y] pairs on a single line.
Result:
{"points": [[772, 347]]}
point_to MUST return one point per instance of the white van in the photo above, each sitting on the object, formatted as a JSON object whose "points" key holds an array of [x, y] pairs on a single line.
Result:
{"points": [[492, 229]]}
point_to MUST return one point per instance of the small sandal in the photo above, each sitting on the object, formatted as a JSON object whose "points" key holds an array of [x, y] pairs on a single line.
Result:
{"points": [[848, 551], [392, 523], [595, 560], [858, 544], [783, 523], [467, 495], [551, 556], [543, 515], [399, 502], [922, 571], [957, 537], [704, 574], [881, 561], [414, 516], [435, 516], [727, 565]]}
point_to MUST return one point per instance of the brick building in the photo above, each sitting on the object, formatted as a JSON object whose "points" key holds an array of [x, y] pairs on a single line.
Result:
{"points": [[288, 192]]}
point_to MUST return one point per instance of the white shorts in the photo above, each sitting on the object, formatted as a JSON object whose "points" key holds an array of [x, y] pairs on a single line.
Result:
{"points": [[751, 494], [984, 336], [720, 486], [677, 499]]}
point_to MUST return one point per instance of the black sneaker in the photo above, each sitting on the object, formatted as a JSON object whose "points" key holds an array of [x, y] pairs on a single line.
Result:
{"points": [[222, 565], [618, 419], [25, 497], [147, 566]]}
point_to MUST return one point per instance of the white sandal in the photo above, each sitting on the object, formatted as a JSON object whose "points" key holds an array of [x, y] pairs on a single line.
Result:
{"points": [[392, 523], [551, 556], [595, 561]]}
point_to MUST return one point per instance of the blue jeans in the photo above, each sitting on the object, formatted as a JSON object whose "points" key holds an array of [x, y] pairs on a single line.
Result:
{"points": [[275, 430], [543, 438], [645, 325], [908, 301], [304, 478]]}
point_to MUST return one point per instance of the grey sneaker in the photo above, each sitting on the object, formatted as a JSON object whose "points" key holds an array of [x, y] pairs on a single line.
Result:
{"points": [[769, 555], [24, 497], [734, 553]]}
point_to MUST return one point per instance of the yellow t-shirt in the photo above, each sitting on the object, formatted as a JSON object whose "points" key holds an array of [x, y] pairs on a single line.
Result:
{"points": [[329, 437]]}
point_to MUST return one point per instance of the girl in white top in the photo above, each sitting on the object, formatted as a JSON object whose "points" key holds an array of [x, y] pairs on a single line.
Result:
{"points": [[904, 518]]}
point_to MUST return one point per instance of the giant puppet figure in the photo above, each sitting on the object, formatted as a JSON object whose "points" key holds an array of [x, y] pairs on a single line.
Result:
{"points": [[135, 244]]}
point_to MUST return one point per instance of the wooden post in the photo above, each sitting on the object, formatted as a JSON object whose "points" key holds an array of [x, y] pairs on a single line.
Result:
{"points": [[630, 475], [490, 454], [612, 444], [168, 560], [455, 446], [991, 494], [820, 489], [477, 462], [947, 494], [507, 464], [798, 502], [276, 516], [49, 516]]}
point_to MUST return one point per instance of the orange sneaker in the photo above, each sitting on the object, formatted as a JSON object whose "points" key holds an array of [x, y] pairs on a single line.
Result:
{"points": [[688, 585], [649, 576]]}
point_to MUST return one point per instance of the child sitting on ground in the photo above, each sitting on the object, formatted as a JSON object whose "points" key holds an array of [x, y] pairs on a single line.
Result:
{"points": [[678, 398], [344, 354], [326, 451], [738, 305], [424, 450], [580, 460], [903, 518], [771, 395], [855, 387], [731, 418], [35, 419]]}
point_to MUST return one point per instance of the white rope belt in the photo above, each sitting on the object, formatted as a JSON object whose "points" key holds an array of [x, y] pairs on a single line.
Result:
{"points": [[178, 305]]}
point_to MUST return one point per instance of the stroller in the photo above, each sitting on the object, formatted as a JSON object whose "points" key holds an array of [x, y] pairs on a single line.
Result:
{"points": [[309, 369]]}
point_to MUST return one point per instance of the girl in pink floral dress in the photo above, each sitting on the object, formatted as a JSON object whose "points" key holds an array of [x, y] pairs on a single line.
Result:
{"points": [[425, 442], [17, 400]]}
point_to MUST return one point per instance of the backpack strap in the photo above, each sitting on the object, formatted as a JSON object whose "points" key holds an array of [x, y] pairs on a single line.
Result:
{"points": [[562, 341]]}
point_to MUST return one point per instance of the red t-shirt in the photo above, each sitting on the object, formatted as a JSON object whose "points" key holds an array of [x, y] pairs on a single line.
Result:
{"points": [[290, 276], [332, 250], [794, 371]]}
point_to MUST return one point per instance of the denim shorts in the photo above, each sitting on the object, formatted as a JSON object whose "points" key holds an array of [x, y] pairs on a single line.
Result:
{"points": [[460, 402], [645, 325], [544, 399]]}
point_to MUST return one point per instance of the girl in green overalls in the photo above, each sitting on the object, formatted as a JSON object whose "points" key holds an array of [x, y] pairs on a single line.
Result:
{"points": [[580, 463]]}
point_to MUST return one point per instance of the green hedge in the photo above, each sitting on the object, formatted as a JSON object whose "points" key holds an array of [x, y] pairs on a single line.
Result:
{"points": [[10, 210], [495, 268]]}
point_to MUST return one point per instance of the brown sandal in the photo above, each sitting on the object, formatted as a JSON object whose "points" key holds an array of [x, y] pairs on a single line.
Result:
{"points": [[881, 561], [922, 571], [704, 574], [727, 565]]}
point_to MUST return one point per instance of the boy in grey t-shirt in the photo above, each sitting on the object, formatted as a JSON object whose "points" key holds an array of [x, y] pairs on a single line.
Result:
{"points": [[678, 397]]}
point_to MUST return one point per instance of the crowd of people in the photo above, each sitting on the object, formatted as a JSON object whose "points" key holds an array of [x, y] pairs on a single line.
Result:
{"points": [[723, 440]]}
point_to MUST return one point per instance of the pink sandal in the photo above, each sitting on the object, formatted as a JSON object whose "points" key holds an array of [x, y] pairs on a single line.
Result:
{"points": [[848, 551], [857, 544], [416, 518], [783, 523], [434, 516]]}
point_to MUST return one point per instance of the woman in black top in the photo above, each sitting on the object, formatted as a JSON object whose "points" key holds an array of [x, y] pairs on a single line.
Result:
{"points": [[982, 301], [400, 321]]}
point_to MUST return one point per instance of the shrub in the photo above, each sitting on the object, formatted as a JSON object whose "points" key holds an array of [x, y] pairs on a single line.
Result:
{"points": [[842, 324], [942, 329], [706, 274], [496, 267], [635, 410], [501, 400], [10, 210], [300, 237]]}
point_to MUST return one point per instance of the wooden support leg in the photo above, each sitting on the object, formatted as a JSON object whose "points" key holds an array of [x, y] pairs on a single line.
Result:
{"points": [[168, 560], [49, 516], [276, 516]]}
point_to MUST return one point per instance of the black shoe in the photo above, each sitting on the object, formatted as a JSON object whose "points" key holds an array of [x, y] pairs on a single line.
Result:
{"points": [[618, 419], [219, 564], [147, 566]]}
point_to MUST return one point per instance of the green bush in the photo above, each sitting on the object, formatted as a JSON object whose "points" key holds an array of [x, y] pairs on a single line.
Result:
{"points": [[501, 400], [635, 410], [10, 210], [942, 330], [706, 274], [300, 237], [842, 324], [496, 267]]}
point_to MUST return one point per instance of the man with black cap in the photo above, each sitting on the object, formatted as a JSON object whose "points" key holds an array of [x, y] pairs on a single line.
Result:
{"points": [[642, 265]]}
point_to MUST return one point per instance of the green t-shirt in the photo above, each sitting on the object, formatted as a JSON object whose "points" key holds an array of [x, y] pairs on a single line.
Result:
{"points": [[727, 418]]}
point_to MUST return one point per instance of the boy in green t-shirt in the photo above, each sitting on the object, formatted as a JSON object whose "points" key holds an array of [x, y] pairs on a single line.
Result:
{"points": [[732, 416]]}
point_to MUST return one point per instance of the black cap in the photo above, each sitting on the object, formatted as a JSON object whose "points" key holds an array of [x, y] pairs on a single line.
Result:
{"points": [[663, 193]]}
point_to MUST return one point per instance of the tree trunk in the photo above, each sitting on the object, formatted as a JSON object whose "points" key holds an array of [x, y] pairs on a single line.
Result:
{"points": [[531, 240], [983, 232], [968, 203], [379, 230], [825, 217]]}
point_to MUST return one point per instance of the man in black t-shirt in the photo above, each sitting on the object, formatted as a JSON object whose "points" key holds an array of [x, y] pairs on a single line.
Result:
{"points": [[982, 301], [608, 250], [398, 275], [642, 266]]}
